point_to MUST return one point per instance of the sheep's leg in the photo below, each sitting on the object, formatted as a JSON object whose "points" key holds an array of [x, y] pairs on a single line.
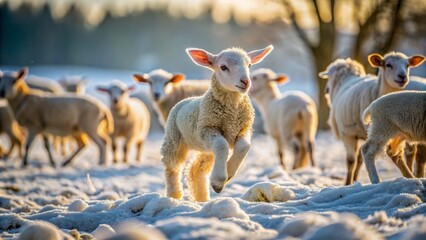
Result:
{"points": [[126, 148], [198, 180], [139, 146], [359, 163], [47, 147], [410, 152], [351, 145], [241, 148], [81, 143], [114, 150], [395, 152], [311, 152], [173, 160], [281, 154], [30, 139], [101, 143], [220, 147], [420, 160]]}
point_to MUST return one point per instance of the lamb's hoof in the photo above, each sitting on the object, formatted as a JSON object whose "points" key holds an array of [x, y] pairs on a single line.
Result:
{"points": [[217, 189]]}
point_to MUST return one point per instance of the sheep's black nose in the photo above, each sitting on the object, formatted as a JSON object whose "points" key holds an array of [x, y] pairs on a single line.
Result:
{"points": [[2, 93], [156, 95], [402, 76]]}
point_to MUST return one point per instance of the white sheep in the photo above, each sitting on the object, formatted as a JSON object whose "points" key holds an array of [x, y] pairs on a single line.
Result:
{"points": [[168, 89], [66, 115], [74, 84], [11, 128], [394, 118], [212, 124], [44, 84], [349, 92], [131, 118], [291, 119]]}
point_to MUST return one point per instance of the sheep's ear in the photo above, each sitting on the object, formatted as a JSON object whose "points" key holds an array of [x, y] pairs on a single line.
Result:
{"points": [[323, 74], [21, 74], [178, 77], [102, 89], [281, 78], [257, 56], [141, 78], [416, 60], [201, 57], [375, 60]]}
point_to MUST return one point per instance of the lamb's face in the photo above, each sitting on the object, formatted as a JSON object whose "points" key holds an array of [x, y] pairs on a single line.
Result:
{"points": [[259, 81], [160, 82], [10, 83], [264, 81], [74, 84], [118, 93], [232, 71], [395, 67], [231, 66]]}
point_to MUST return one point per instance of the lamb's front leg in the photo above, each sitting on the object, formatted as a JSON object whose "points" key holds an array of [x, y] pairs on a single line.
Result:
{"points": [[242, 146], [220, 147]]}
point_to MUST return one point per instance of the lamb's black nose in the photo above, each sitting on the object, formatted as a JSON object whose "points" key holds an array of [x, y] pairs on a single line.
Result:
{"points": [[2, 93], [402, 76], [156, 96]]}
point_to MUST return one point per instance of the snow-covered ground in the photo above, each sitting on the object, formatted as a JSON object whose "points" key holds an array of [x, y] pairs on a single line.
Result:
{"points": [[262, 202], [309, 203]]}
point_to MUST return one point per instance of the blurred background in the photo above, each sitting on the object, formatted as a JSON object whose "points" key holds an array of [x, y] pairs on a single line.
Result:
{"points": [[111, 39]]}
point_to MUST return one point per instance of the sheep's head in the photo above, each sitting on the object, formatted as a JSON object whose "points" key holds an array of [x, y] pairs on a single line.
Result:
{"points": [[231, 66], [339, 71], [395, 67], [265, 80], [160, 82], [12, 82], [74, 84], [118, 92]]}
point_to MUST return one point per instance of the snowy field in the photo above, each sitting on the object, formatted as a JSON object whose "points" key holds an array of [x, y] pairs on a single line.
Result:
{"points": [[308, 204], [262, 202]]}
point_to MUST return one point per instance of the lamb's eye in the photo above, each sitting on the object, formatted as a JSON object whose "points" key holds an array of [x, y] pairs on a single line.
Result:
{"points": [[249, 65], [224, 68], [389, 66]]}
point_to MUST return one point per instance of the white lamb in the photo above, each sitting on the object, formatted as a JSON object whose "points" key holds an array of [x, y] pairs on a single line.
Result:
{"points": [[67, 115], [350, 92], [212, 124], [131, 118], [168, 89], [291, 119], [43, 84], [75, 84], [395, 118]]}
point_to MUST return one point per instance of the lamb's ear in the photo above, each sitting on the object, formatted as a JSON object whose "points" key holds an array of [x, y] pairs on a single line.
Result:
{"points": [[102, 89], [141, 78], [257, 56], [416, 60], [375, 60], [201, 57], [131, 88], [281, 78], [21, 74], [177, 77], [323, 74]]}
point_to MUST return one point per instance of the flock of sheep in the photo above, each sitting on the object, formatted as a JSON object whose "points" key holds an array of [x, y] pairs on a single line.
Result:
{"points": [[215, 117]]}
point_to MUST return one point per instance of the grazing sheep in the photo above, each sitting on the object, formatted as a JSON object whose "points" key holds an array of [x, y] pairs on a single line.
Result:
{"points": [[394, 118], [74, 84], [67, 115], [131, 118], [291, 119], [43, 84], [350, 91], [168, 89], [10, 126], [212, 124]]}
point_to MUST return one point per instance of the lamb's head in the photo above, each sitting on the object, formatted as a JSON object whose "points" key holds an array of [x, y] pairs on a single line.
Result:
{"points": [[74, 84], [118, 92], [264, 81], [231, 66], [395, 67], [11, 83], [338, 72], [160, 82]]}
